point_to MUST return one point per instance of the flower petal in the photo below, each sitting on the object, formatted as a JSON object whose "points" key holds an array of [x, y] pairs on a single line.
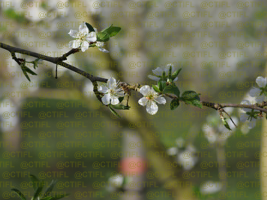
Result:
{"points": [[261, 81], [83, 28], [151, 107], [243, 117], [170, 65], [114, 100], [119, 93], [145, 90], [103, 50], [246, 102], [252, 123], [166, 71], [260, 98], [106, 99], [254, 92], [158, 71], [154, 78], [103, 89], [112, 82], [91, 37], [84, 46], [99, 44], [143, 101], [73, 33], [74, 44], [160, 100]]}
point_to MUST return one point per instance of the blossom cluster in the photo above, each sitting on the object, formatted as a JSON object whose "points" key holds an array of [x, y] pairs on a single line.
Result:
{"points": [[84, 38], [260, 95]]}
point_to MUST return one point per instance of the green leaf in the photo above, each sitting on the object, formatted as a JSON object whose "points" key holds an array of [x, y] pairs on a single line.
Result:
{"points": [[189, 95], [49, 188], [25, 70], [156, 88], [19, 193], [161, 85], [174, 104], [112, 30], [59, 196], [36, 62], [89, 26], [113, 111], [121, 99], [225, 123], [102, 37], [120, 107], [194, 102], [170, 72], [172, 89], [29, 70], [35, 181], [38, 191], [176, 73], [26, 75], [46, 198]]}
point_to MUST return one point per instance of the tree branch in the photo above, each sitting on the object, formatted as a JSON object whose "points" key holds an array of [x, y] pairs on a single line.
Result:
{"points": [[94, 79], [55, 60]]}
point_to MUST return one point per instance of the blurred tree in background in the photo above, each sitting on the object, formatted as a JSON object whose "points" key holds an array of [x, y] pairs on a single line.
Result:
{"points": [[220, 46]]}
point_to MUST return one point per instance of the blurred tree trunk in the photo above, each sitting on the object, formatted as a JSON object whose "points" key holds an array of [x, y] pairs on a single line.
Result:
{"points": [[171, 176]]}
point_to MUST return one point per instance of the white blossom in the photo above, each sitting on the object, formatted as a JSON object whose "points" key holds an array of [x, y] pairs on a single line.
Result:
{"points": [[256, 92], [4, 114], [111, 91], [100, 47], [150, 99], [115, 182], [244, 117], [209, 133], [187, 158], [210, 187], [159, 72], [82, 38], [172, 151]]}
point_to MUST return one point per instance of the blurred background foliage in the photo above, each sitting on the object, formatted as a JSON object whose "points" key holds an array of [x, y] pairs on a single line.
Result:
{"points": [[153, 35]]}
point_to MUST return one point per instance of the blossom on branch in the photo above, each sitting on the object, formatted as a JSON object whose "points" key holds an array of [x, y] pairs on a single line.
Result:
{"points": [[249, 115], [82, 37], [100, 47], [150, 99], [159, 72], [111, 91], [258, 93]]}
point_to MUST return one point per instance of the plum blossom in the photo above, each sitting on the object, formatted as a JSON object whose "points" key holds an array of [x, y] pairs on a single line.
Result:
{"points": [[100, 47], [111, 91], [244, 116], [210, 187], [258, 92], [82, 37], [187, 158], [115, 181], [159, 72], [150, 99]]}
